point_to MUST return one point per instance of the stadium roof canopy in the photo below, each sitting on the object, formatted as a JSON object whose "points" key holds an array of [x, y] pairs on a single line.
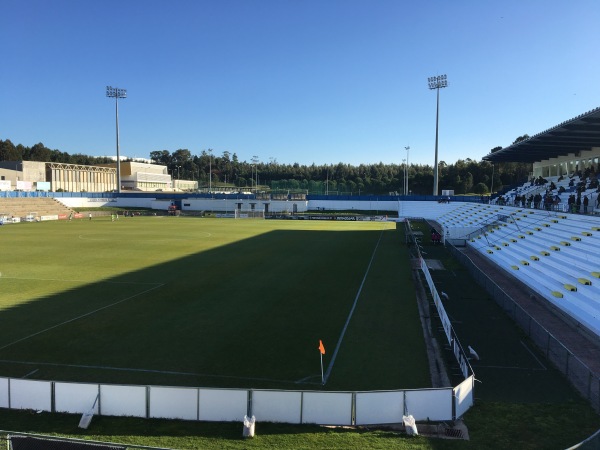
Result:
{"points": [[572, 136]]}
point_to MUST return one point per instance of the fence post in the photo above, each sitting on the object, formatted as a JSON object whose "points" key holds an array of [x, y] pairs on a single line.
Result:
{"points": [[249, 405], [147, 402], [353, 409], [52, 397]]}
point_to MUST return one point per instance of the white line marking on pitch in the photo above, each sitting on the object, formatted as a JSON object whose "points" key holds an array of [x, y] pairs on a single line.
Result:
{"points": [[81, 281], [80, 317], [130, 369], [30, 373], [535, 357], [341, 338]]}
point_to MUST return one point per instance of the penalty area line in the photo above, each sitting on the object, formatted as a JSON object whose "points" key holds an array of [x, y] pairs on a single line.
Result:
{"points": [[80, 317], [342, 334]]}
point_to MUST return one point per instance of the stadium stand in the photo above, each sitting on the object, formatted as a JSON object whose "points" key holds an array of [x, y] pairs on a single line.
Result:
{"points": [[557, 255], [42, 206]]}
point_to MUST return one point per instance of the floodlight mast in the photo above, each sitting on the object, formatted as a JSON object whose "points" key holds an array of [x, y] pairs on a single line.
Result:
{"points": [[437, 82], [117, 94], [407, 148]]}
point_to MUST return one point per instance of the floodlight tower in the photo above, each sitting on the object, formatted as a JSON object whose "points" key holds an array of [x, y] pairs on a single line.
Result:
{"points": [[407, 148], [404, 179], [117, 94], [254, 164], [437, 82], [210, 170]]}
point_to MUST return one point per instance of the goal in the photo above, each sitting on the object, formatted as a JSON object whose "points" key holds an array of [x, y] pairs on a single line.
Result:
{"points": [[251, 214]]}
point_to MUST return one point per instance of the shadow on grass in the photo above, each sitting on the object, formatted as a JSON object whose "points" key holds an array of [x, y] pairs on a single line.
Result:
{"points": [[247, 313]]}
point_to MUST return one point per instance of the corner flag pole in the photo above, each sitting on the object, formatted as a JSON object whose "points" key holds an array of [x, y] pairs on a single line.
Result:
{"points": [[322, 351]]}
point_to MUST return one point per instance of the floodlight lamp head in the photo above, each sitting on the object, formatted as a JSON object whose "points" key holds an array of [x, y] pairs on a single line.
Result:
{"points": [[116, 92], [437, 82]]}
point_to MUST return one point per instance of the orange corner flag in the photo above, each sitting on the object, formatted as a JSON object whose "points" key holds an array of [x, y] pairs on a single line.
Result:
{"points": [[321, 347]]}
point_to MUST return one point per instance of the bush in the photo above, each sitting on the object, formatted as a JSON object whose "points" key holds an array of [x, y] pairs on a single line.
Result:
{"points": [[480, 188]]}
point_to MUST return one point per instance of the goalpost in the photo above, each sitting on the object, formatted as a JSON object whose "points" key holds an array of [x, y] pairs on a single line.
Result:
{"points": [[251, 214], [31, 216]]}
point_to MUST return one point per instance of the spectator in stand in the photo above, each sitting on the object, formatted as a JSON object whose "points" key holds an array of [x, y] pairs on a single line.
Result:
{"points": [[556, 202], [571, 203], [548, 201], [574, 204], [536, 200], [578, 203], [586, 202]]}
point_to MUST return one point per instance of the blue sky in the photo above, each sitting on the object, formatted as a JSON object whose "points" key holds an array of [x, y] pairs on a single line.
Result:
{"points": [[295, 80]]}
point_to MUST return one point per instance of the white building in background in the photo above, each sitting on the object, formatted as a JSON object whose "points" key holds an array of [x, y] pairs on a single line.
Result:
{"points": [[80, 178], [23, 175], [185, 185], [57, 177], [139, 176]]}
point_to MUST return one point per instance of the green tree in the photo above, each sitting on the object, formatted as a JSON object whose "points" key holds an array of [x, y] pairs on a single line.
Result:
{"points": [[480, 188], [161, 157], [39, 153], [8, 152]]}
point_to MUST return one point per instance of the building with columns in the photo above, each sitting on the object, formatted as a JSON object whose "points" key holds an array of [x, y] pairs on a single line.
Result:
{"points": [[62, 177], [80, 178]]}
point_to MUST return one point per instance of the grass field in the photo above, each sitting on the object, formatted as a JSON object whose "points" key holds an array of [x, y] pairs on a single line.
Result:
{"points": [[252, 299], [209, 302]]}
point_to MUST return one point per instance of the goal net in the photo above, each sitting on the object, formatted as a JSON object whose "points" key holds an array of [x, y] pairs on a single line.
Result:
{"points": [[250, 214], [30, 216]]}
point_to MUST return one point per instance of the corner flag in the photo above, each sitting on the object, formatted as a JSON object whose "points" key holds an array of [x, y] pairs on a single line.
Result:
{"points": [[322, 350]]}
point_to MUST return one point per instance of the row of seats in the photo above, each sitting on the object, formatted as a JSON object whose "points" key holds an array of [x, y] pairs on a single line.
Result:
{"points": [[41, 206], [556, 254]]}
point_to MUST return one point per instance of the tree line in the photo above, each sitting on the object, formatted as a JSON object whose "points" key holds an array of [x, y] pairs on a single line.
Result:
{"points": [[464, 176]]}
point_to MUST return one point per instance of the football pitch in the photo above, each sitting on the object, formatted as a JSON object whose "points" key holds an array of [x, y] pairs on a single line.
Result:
{"points": [[210, 302]]}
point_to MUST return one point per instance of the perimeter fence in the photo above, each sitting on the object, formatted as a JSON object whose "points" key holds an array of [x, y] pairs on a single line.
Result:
{"points": [[231, 405]]}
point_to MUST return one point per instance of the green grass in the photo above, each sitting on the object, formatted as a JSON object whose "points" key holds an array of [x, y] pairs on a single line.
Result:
{"points": [[202, 274], [221, 302], [492, 425]]}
